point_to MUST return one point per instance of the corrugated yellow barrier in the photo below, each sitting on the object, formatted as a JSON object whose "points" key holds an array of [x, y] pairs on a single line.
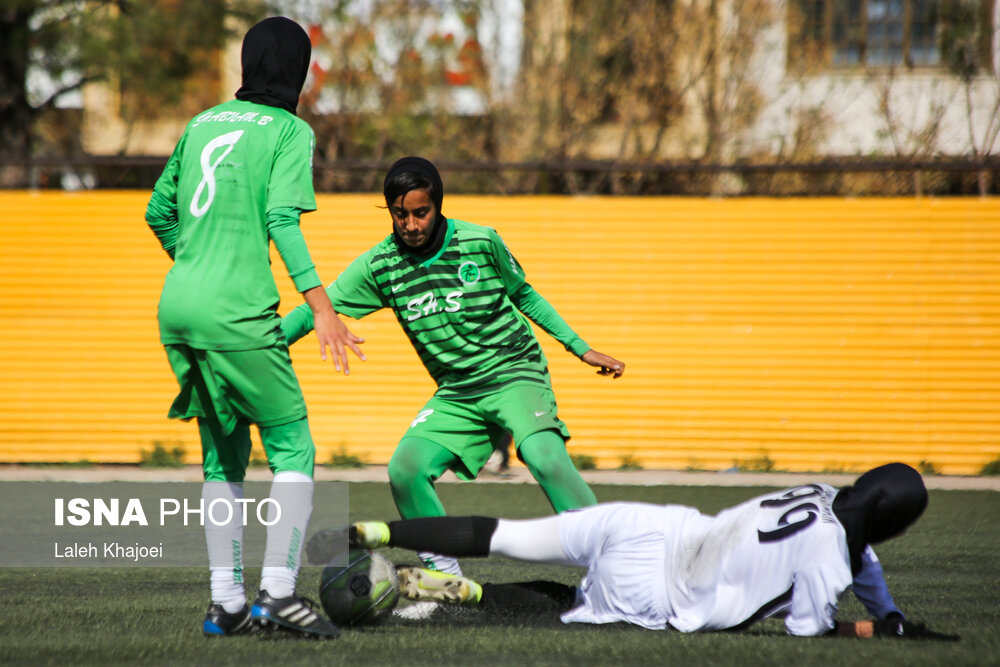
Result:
{"points": [[809, 334]]}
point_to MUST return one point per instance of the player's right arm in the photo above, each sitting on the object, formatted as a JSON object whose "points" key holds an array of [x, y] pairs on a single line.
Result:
{"points": [[330, 330], [161, 212]]}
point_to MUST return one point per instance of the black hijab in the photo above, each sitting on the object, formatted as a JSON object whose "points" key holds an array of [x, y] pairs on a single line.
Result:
{"points": [[881, 504], [399, 180], [275, 61]]}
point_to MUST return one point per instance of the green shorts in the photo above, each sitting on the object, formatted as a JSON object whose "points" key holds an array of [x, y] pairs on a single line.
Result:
{"points": [[258, 386], [470, 427]]}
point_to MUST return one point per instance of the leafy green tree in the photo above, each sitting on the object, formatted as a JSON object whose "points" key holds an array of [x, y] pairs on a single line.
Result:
{"points": [[150, 49]]}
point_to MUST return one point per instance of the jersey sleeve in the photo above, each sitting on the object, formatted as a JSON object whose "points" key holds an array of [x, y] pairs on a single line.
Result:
{"points": [[161, 212], [530, 302], [510, 270], [541, 312], [814, 605], [283, 228], [817, 589], [354, 293], [870, 587], [291, 183]]}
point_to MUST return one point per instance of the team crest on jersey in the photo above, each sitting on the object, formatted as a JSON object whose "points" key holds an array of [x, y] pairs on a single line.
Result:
{"points": [[468, 273]]}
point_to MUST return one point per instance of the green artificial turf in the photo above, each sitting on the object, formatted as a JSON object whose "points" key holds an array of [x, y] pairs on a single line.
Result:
{"points": [[945, 572]]}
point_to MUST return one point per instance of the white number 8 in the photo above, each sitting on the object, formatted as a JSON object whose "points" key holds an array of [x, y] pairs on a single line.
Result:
{"points": [[208, 170]]}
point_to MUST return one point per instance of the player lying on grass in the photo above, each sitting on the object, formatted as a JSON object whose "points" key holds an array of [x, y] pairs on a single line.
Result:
{"points": [[793, 554], [461, 297]]}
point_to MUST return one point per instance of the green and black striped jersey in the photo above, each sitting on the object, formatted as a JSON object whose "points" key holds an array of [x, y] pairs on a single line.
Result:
{"points": [[461, 309]]}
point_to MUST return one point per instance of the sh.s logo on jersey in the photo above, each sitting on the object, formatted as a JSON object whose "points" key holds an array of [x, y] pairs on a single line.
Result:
{"points": [[429, 304]]}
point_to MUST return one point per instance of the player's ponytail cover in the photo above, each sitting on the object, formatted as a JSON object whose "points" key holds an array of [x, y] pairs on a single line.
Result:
{"points": [[881, 504], [275, 61]]}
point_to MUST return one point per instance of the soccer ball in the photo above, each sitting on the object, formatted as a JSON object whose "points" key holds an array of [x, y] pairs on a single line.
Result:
{"points": [[363, 592]]}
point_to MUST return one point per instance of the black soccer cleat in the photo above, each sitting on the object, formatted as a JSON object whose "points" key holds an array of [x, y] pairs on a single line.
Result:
{"points": [[220, 623], [293, 615]]}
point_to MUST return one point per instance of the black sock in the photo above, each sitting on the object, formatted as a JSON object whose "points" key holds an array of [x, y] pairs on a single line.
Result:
{"points": [[451, 536], [528, 596]]}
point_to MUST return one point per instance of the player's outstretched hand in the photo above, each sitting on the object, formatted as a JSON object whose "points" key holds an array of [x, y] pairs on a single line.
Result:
{"points": [[900, 629], [334, 334], [608, 365]]}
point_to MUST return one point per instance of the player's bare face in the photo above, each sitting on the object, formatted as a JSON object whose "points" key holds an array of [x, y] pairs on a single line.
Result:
{"points": [[413, 216]]}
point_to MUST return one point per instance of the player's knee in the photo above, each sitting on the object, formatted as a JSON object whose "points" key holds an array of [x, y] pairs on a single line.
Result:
{"points": [[404, 469], [549, 468], [302, 462], [547, 458]]}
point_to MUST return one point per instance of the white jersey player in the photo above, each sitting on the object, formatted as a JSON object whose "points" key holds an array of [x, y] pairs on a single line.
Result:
{"points": [[792, 554]]}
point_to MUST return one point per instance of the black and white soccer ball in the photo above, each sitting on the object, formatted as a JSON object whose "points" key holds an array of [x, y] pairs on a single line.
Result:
{"points": [[363, 592]]}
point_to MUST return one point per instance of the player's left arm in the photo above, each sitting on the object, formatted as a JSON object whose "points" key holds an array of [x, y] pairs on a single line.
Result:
{"points": [[890, 628], [283, 228], [289, 194], [871, 590], [527, 300]]}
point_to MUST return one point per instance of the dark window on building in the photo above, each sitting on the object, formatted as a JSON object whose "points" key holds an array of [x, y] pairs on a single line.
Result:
{"points": [[884, 33]]}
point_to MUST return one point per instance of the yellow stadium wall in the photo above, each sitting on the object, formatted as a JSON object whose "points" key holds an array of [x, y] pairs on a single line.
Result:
{"points": [[803, 334]]}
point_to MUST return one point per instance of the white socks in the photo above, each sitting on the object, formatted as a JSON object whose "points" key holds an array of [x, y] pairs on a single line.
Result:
{"points": [[531, 540], [293, 493], [225, 545], [433, 561]]}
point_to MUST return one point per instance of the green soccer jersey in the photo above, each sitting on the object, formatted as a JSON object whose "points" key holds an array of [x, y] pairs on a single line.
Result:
{"points": [[461, 309], [236, 168]]}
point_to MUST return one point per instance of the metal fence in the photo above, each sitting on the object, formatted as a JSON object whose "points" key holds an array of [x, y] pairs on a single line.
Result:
{"points": [[829, 177]]}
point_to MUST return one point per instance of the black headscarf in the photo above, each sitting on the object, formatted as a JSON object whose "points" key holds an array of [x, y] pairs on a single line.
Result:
{"points": [[275, 61], [881, 504], [391, 190]]}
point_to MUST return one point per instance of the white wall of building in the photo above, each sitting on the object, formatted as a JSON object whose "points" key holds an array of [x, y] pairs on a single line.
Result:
{"points": [[872, 113]]}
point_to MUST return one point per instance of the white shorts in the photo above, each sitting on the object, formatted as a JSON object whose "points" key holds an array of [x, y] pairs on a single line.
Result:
{"points": [[624, 547]]}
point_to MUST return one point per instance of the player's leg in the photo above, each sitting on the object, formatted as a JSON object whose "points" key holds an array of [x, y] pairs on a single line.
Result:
{"points": [[260, 386], [414, 467], [446, 434], [225, 453], [530, 540], [530, 414], [532, 597], [420, 584], [545, 455], [224, 460], [290, 454]]}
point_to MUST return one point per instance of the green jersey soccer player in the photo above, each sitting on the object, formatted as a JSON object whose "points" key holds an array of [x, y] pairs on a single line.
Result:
{"points": [[462, 298], [238, 179]]}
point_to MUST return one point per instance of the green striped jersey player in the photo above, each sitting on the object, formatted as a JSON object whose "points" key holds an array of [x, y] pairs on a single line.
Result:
{"points": [[464, 303]]}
